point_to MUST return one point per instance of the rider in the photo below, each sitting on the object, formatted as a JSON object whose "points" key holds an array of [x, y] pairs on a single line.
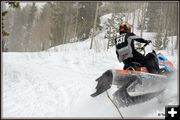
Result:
{"points": [[125, 50]]}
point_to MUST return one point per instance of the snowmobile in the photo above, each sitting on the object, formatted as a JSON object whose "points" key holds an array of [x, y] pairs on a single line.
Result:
{"points": [[136, 84]]}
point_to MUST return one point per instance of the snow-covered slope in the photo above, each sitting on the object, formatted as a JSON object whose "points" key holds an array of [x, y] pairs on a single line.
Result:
{"points": [[58, 83]]}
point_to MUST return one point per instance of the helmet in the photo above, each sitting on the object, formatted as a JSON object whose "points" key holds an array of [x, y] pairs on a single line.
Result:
{"points": [[124, 28]]}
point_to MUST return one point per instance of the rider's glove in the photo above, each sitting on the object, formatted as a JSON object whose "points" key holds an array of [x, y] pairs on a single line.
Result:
{"points": [[149, 41]]}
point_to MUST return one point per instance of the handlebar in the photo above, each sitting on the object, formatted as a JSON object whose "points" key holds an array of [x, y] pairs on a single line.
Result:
{"points": [[142, 48]]}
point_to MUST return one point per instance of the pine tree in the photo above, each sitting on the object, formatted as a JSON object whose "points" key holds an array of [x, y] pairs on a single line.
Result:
{"points": [[151, 14], [30, 24], [4, 13]]}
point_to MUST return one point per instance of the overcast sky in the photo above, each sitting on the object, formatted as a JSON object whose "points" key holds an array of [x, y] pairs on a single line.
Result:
{"points": [[39, 4], [24, 3]]}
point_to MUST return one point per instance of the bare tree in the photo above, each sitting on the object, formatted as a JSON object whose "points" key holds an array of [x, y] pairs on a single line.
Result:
{"points": [[76, 22], [143, 17], [94, 27]]}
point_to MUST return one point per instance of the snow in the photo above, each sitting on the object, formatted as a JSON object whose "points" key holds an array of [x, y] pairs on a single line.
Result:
{"points": [[58, 83], [54, 84]]}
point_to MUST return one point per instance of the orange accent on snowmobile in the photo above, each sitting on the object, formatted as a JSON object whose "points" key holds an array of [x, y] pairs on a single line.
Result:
{"points": [[143, 69], [167, 63], [129, 71]]}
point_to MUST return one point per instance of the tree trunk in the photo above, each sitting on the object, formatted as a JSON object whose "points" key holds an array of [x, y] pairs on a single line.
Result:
{"points": [[75, 33], [172, 49], [94, 27], [143, 18], [133, 21], [65, 27], [109, 39], [177, 43]]}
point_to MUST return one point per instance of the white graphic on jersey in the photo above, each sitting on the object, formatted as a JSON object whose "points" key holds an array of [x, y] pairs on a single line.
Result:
{"points": [[120, 39]]}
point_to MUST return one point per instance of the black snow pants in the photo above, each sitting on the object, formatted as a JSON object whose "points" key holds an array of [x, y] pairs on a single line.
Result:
{"points": [[148, 61]]}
